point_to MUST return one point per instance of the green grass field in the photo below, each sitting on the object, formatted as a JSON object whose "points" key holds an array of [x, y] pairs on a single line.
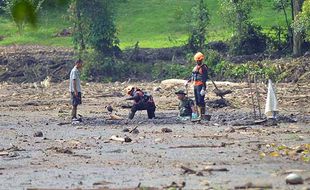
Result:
{"points": [[154, 23]]}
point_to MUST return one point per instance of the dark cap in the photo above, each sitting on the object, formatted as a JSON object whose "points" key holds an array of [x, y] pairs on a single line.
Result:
{"points": [[180, 92]]}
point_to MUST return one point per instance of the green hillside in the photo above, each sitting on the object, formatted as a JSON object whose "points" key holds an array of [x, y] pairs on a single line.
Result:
{"points": [[154, 23]]}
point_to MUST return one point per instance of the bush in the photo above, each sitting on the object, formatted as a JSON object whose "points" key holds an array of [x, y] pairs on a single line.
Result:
{"points": [[250, 42], [164, 71]]}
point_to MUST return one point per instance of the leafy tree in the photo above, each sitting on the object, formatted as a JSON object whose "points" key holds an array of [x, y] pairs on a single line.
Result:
{"points": [[23, 11], [247, 37], [236, 13], [94, 25], [302, 21], [199, 22]]}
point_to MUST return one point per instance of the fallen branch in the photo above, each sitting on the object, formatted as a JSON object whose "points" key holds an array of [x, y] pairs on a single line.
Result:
{"points": [[209, 169], [202, 146], [251, 185], [191, 171]]}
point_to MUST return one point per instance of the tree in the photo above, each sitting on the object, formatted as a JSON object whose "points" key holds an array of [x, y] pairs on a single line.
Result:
{"points": [[199, 22], [236, 13], [247, 37], [302, 21], [297, 35], [94, 25], [282, 5]]}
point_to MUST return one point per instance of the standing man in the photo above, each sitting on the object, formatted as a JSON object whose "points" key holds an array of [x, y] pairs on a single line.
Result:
{"points": [[75, 88], [199, 77], [186, 106], [141, 101]]}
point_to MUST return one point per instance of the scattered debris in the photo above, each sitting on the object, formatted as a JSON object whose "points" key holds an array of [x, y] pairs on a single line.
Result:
{"points": [[166, 130], [38, 134], [218, 103], [116, 138], [101, 183], [174, 185], [134, 130], [125, 130], [61, 150], [230, 130]]}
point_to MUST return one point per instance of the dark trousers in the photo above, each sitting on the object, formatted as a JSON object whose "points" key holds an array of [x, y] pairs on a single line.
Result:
{"points": [[148, 106], [200, 100], [75, 101]]}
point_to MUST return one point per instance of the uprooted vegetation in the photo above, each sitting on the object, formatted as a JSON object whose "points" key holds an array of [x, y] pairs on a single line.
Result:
{"points": [[34, 63]]}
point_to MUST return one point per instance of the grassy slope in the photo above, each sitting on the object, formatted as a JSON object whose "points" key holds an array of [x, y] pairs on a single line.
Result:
{"points": [[154, 23]]}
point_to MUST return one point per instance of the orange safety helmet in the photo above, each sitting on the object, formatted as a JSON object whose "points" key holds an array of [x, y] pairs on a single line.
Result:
{"points": [[129, 89], [199, 56]]}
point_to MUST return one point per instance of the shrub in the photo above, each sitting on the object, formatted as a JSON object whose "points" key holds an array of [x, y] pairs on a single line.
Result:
{"points": [[252, 41]]}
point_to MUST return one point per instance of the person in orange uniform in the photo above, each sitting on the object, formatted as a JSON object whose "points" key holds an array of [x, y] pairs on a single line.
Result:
{"points": [[199, 77], [142, 101]]}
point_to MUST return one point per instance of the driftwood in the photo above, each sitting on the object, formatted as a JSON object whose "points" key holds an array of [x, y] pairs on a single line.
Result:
{"points": [[251, 185], [191, 171], [202, 146], [209, 169]]}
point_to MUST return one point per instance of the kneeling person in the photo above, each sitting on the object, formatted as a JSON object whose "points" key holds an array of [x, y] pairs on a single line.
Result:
{"points": [[142, 101], [186, 106]]}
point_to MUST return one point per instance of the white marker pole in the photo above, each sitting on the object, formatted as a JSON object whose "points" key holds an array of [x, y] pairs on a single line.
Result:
{"points": [[271, 108]]}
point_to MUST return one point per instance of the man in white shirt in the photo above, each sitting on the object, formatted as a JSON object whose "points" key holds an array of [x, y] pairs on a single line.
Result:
{"points": [[75, 88]]}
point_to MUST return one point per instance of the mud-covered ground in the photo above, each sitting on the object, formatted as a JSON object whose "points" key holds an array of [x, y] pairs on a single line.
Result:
{"points": [[229, 152]]}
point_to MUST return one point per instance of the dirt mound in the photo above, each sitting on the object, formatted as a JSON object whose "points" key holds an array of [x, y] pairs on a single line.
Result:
{"points": [[34, 63]]}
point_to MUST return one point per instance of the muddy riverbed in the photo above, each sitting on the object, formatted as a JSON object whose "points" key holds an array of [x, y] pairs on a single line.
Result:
{"points": [[40, 149]]}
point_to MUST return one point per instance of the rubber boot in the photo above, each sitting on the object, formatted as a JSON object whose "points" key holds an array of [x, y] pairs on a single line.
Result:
{"points": [[131, 115], [203, 111]]}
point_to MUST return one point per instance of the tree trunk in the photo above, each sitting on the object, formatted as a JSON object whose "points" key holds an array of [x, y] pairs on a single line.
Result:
{"points": [[297, 36]]}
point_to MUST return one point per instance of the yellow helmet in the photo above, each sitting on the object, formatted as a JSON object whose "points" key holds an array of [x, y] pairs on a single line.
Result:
{"points": [[199, 56], [129, 89]]}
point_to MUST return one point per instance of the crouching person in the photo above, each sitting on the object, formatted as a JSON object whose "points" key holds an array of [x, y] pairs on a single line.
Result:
{"points": [[141, 101], [186, 107]]}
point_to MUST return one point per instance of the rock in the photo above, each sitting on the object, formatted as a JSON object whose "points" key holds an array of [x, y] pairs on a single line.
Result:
{"points": [[205, 182], [158, 140], [38, 134], [125, 130], [13, 154], [230, 130], [166, 130], [109, 108], [156, 89], [294, 179], [135, 131]]}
